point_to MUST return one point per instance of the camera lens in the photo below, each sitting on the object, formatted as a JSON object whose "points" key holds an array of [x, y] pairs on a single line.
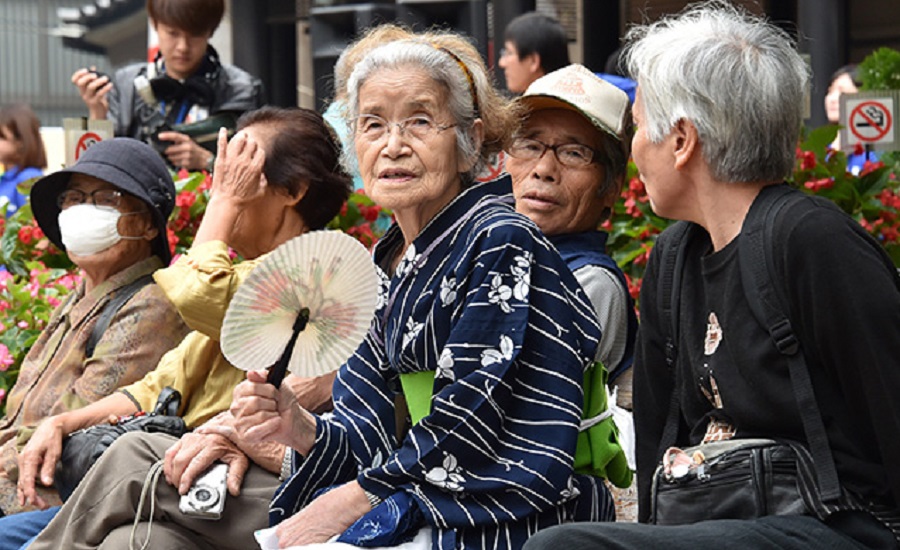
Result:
{"points": [[203, 498]]}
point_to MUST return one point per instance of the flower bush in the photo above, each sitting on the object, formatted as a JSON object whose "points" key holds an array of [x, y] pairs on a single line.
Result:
{"points": [[37, 276]]}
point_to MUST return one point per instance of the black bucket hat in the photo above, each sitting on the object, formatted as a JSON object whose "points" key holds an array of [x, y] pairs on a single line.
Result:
{"points": [[131, 166]]}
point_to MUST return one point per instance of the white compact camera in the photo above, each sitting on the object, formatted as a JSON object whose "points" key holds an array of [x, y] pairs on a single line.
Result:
{"points": [[206, 497]]}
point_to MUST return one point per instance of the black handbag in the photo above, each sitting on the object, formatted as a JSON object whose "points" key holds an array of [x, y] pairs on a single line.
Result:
{"points": [[733, 479], [82, 448]]}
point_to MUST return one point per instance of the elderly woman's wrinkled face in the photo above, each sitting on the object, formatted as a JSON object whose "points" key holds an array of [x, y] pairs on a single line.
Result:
{"points": [[406, 144], [558, 197]]}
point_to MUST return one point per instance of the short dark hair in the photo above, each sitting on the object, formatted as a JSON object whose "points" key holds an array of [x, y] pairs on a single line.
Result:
{"points": [[197, 17], [303, 148], [24, 125], [535, 32], [851, 70]]}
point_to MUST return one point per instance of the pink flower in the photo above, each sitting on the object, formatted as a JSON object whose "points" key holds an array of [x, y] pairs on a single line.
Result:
{"points": [[22, 324], [5, 278], [2, 394], [6, 359]]}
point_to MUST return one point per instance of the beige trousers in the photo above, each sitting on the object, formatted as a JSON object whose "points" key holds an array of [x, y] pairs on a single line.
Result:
{"points": [[101, 511]]}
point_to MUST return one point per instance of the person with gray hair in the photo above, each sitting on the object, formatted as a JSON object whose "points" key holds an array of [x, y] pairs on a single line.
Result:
{"points": [[483, 332], [718, 113]]}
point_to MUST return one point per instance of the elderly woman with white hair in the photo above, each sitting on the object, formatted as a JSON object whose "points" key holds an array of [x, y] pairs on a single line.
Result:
{"points": [[482, 328]]}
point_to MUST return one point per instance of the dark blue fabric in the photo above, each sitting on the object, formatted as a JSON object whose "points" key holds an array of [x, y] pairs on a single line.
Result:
{"points": [[395, 521], [18, 530]]}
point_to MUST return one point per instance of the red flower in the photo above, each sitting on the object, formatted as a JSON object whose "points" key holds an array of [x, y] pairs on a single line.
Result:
{"points": [[172, 238], [890, 233], [807, 160], [634, 286], [817, 185], [370, 213], [25, 234], [185, 199], [870, 166]]}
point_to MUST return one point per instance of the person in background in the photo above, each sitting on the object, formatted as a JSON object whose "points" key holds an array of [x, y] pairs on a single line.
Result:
{"points": [[276, 179], [719, 110], [534, 45], [21, 153], [185, 83], [844, 81], [108, 213]]}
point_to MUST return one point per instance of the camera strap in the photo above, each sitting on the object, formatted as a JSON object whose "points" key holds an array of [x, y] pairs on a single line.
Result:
{"points": [[150, 483]]}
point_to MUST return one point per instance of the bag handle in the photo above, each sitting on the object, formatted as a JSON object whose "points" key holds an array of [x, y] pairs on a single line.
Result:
{"points": [[110, 309]]}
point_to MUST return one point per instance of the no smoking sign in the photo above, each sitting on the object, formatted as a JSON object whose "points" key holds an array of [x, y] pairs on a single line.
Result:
{"points": [[870, 121]]}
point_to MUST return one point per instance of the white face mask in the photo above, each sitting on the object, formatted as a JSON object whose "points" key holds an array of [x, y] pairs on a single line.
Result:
{"points": [[88, 229]]}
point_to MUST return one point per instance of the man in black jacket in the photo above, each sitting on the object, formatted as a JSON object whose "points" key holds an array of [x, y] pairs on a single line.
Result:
{"points": [[185, 83], [718, 112]]}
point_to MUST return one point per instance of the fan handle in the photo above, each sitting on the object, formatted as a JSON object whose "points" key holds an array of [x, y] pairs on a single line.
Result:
{"points": [[278, 371]]}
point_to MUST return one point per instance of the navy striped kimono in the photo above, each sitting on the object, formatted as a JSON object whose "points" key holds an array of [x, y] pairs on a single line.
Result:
{"points": [[484, 300]]}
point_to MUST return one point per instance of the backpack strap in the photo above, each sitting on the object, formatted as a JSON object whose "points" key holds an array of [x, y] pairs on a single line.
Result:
{"points": [[111, 308], [676, 238], [757, 275]]}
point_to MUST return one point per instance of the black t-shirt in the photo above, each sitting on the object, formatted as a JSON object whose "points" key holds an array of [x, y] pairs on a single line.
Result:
{"points": [[845, 309]]}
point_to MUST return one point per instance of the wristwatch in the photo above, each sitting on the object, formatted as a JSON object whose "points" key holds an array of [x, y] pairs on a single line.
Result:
{"points": [[211, 163], [286, 464]]}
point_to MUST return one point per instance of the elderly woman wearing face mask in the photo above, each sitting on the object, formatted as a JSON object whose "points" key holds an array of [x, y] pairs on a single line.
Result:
{"points": [[108, 212], [483, 329]]}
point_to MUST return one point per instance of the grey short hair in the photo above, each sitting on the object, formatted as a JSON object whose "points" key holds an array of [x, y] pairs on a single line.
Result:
{"points": [[444, 70], [736, 77]]}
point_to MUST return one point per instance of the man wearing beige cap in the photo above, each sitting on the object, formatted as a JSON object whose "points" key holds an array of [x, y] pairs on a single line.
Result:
{"points": [[568, 165]]}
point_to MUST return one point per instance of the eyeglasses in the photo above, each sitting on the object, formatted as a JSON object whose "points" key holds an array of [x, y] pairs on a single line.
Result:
{"points": [[573, 155], [101, 197], [422, 128]]}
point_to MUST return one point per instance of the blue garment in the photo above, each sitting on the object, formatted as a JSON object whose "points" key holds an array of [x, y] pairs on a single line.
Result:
{"points": [[589, 249], [856, 162], [482, 298], [11, 179], [18, 530]]}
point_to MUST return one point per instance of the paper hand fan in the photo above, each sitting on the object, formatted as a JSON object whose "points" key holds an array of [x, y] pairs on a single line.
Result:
{"points": [[305, 308]]}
